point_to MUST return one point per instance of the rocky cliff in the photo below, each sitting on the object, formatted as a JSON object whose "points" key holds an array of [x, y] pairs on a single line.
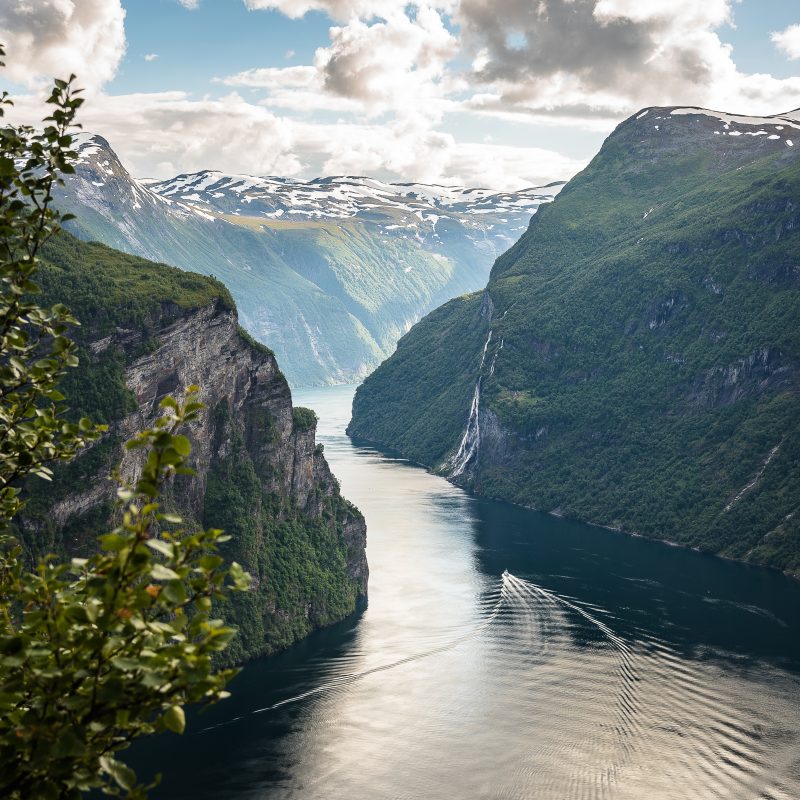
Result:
{"points": [[259, 474], [635, 358]]}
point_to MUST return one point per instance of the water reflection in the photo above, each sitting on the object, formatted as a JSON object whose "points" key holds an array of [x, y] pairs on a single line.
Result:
{"points": [[598, 666]]}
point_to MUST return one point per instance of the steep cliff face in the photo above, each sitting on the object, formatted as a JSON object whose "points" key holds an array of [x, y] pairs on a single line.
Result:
{"points": [[635, 358], [259, 474]]}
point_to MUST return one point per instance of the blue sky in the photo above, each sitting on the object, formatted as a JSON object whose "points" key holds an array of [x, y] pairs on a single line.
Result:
{"points": [[462, 91]]}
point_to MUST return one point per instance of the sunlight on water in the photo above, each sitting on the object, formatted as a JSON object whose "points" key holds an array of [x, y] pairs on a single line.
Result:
{"points": [[507, 654]]}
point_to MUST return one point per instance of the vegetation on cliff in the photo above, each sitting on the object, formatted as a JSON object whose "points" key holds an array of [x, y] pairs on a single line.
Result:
{"points": [[644, 365], [300, 557], [299, 561]]}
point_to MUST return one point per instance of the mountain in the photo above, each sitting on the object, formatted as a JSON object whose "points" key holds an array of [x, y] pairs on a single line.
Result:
{"points": [[635, 358], [329, 273], [151, 330]]}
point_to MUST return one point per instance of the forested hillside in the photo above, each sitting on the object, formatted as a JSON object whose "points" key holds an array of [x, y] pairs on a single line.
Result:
{"points": [[635, 358]]}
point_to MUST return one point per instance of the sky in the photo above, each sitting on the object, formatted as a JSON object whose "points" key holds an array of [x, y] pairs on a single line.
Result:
{"points": [[495, 93]]}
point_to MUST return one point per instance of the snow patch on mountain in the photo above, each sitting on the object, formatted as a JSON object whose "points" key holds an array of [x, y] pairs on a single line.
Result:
{"points": [[392, 205]]}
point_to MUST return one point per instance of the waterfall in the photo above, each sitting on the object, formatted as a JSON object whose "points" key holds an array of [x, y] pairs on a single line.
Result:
{"points": [[494, 357], [468, 448]]}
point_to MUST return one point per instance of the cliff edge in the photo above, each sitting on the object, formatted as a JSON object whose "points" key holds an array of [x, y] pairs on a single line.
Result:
{"points": [[150, 331]]}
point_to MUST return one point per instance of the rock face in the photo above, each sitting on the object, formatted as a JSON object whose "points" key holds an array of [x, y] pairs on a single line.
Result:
{"points": [[635, 358], [259, 474]]}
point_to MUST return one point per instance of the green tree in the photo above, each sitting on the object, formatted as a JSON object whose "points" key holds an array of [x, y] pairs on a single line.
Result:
{"points": [[34, 350], [101, 651]]}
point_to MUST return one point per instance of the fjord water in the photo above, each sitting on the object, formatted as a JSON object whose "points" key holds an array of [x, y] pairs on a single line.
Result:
{"points": [[598, 666]]}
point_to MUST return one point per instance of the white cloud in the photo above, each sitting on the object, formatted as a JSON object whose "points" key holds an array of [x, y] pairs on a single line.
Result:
{"points": [[342, 10], [191, 5], [394, 63], [788, 41], [590, 60], [397, 65], [405, 150], [50, 38], [275, 78], [151, 57], [157, 134]]}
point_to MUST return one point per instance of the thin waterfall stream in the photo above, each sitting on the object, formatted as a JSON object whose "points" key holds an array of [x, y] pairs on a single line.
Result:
{"points": [[471, 440]]}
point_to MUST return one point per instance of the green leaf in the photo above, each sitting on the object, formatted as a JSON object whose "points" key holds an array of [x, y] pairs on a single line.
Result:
{"points": [[161, 573], [121, 773], [175, 719], [182, 445], [159, 545]]}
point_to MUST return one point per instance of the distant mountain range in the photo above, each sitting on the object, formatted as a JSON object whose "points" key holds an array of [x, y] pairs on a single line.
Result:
{"points": [[329, 273], [635, 358]]}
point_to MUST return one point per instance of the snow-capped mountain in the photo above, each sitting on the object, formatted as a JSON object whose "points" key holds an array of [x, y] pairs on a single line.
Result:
{"points": [[414, 209], [328, 272]]}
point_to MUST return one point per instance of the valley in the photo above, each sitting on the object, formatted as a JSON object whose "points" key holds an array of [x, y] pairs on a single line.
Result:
{"points": [[329, 272]]}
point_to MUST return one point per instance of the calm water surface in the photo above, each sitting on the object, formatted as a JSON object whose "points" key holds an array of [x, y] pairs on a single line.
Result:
{"points": [[598, 666]]}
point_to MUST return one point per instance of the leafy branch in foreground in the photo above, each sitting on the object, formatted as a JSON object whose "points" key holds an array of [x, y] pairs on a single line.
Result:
{"points": [[34, 350], [98, 653]]}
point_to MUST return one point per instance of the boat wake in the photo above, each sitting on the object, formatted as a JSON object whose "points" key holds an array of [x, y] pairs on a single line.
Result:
{"points": [[596, 708]]}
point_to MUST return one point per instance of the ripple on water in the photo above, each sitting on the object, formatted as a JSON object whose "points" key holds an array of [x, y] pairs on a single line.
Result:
{"points": [[578, 712]]}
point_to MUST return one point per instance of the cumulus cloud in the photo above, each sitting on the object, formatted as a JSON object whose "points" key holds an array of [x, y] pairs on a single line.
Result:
{"points": [[408, 150], [297, 89], [229, 133], [151, 57], [393, 62], [56, 37], [191, 5], [158, 134], [584, 59], [788, 41]]}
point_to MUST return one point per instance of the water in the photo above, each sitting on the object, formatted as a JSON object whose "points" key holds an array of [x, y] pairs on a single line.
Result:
{"points": [[598, 666]]}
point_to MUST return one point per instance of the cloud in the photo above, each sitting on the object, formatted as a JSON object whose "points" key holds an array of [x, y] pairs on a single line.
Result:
{"points": [[57, 37], [341, 10], [585, 63], [394, 63], [397, 64], [392, 71], [299, 89], [788, 41], [406, 150], [602, 59], [191, 5], [157, 134]]}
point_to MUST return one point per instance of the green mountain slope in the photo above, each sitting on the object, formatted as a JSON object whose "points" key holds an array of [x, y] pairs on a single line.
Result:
{"points": [[149, 330], [635, 358]]}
